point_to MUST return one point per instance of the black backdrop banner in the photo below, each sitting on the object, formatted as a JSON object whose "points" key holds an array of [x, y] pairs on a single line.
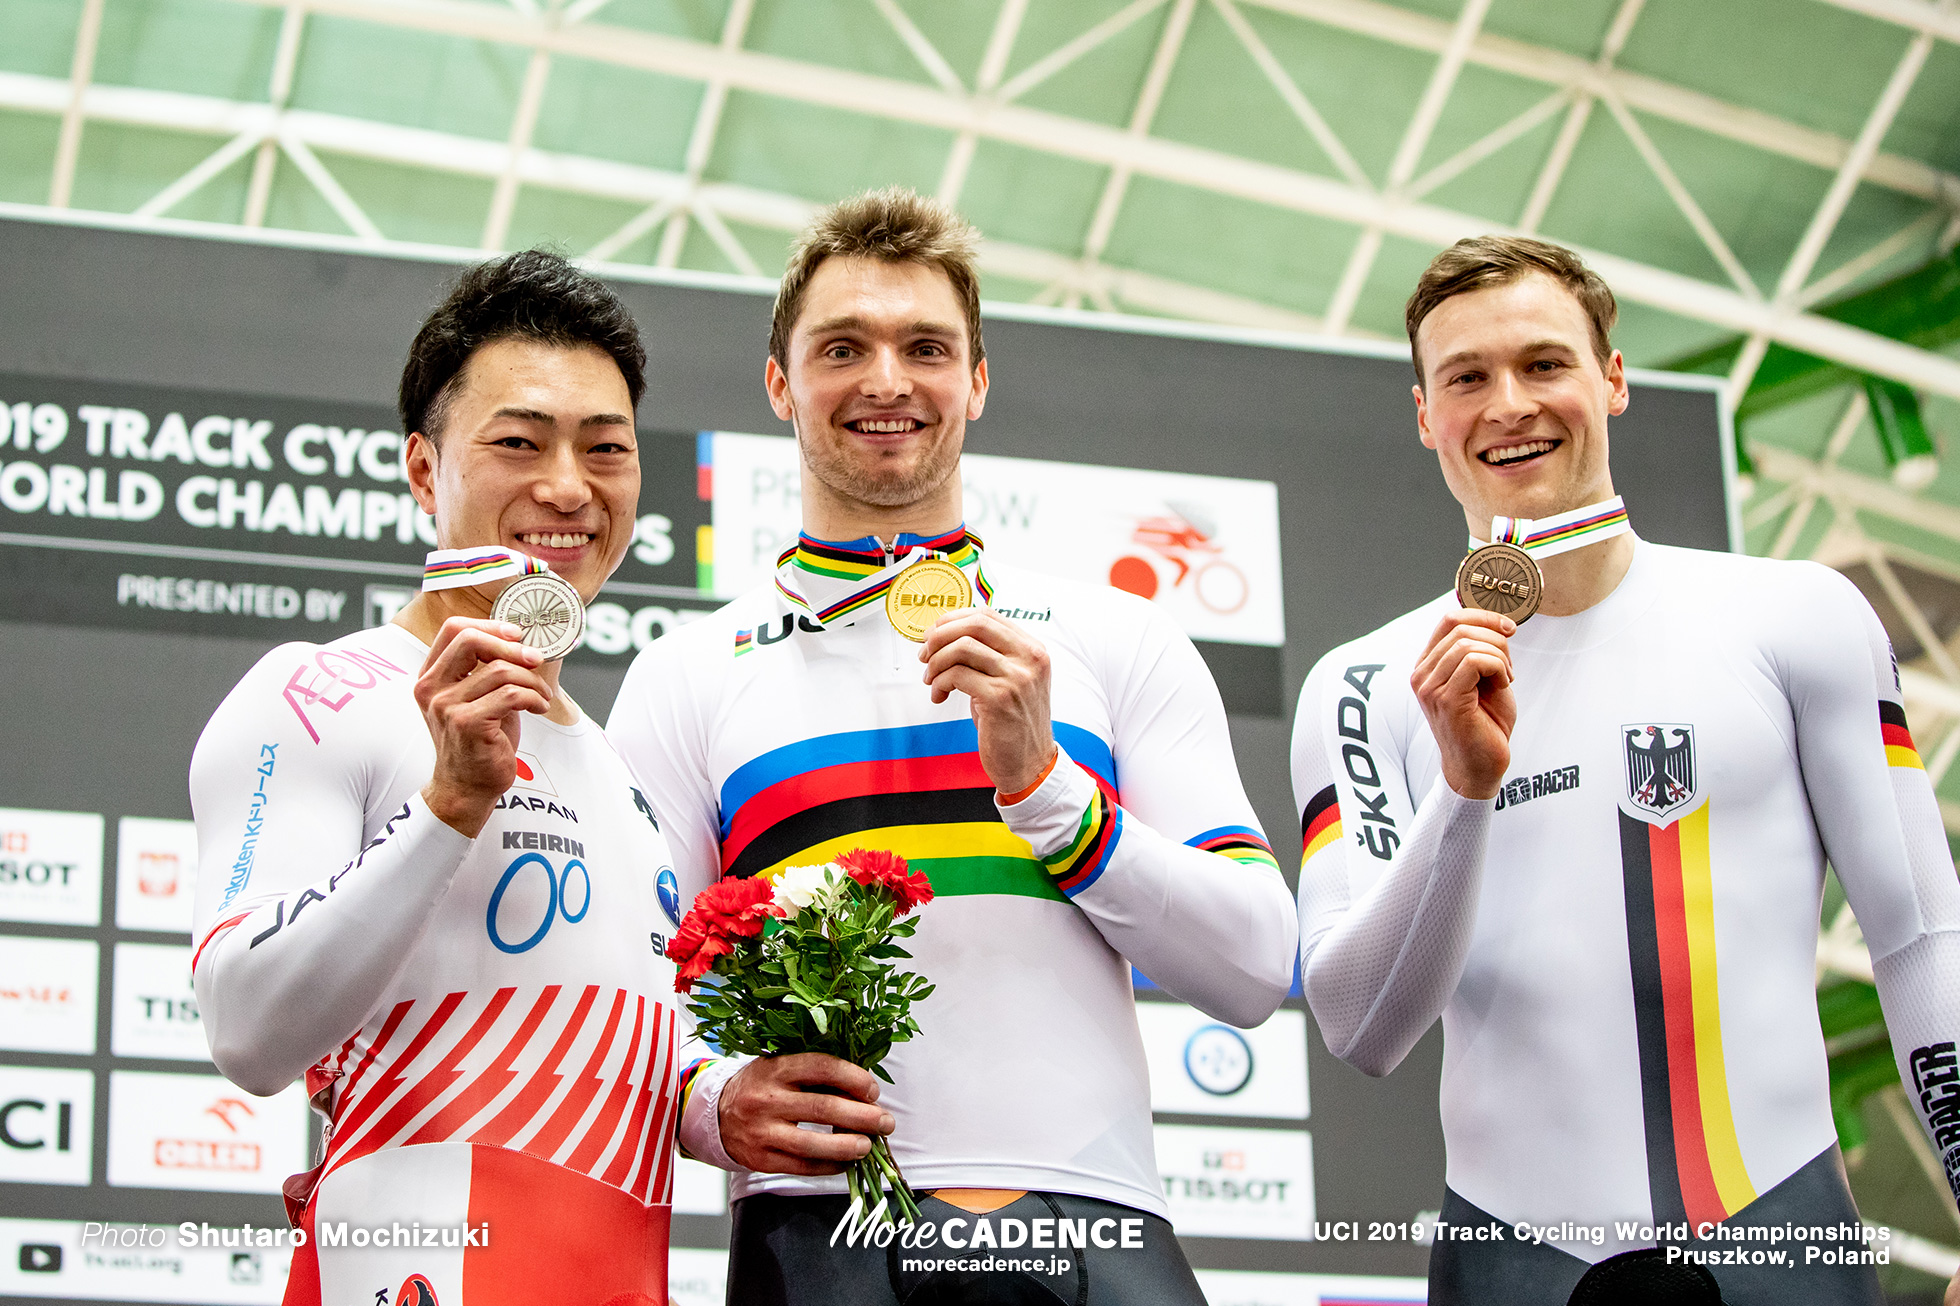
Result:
{"points": [[155, 508]]}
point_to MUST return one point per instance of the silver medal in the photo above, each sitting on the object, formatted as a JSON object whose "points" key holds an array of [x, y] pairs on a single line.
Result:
{"points": [[547, 609]]}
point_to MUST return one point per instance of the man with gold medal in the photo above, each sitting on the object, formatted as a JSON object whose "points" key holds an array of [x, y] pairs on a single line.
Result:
{"points": [[1064, 777], [1580, 809]]}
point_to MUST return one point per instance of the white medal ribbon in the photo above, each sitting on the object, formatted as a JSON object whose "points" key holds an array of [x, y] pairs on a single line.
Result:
{"points": [[448, 569], [1547, 537]]}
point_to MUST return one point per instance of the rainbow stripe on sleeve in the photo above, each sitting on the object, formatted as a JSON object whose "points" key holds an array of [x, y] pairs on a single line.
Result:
{"points": [[1899, 748], [1320, 824], [1239, 843], [1082, 862]]}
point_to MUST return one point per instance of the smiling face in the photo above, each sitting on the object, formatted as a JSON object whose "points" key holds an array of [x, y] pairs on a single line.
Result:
{"points": [[880, 385], [1515, 402], [537, 454]]}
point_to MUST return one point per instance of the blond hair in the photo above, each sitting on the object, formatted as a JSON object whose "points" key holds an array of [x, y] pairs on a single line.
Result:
{"points": [[894, 225]]}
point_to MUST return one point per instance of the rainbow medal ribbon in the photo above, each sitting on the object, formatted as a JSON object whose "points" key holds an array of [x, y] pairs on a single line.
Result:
{"points": [[543, 605], [1503, 577]]}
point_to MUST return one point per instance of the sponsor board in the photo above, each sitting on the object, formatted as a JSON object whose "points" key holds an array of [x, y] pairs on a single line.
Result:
{"points": [[50, 867], [1201, 1067], [697, 1276], [153, 1011], [699, 1189], [133, 1262], [156, 874], [1237, 1183], [47, 1125], [1205, 548], [47, 994], [1253, 1288], [201, 1132]]}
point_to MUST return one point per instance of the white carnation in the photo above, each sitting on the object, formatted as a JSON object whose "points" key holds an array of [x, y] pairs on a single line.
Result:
{"points": [[799, 886]]}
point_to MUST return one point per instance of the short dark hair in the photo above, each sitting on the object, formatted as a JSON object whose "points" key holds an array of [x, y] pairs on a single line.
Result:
{"points": [[1484, 262], [534, 294], [894, 225]]}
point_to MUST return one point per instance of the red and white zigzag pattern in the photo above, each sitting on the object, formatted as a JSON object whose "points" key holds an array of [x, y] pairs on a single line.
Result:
{"points": [[581, 1077]]}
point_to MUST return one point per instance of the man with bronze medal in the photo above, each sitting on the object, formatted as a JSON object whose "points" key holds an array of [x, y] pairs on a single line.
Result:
{"points": [[1064, 777], [423, 867], [1580, 809]]}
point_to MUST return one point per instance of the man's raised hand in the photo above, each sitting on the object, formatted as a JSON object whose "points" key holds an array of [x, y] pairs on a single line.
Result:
{"points": [[472, 687], [1005, 672], [1463, 681]]}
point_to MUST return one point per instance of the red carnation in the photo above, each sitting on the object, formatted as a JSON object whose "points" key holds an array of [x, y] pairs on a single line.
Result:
{"points": [[730, 909], [877, 867]]}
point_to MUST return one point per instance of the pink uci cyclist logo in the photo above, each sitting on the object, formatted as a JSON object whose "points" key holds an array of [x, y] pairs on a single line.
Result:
{"points": [[1184, 542]]}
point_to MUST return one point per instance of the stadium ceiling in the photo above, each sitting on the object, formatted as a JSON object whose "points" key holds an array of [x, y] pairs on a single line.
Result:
{"points": [[1771, 186]]}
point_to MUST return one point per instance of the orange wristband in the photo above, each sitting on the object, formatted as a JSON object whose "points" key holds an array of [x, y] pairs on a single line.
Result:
{"points": [[1008, 800]]}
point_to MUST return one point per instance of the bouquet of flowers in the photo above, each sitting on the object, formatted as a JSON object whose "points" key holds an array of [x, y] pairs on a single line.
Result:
{"points": [[803, 964]]}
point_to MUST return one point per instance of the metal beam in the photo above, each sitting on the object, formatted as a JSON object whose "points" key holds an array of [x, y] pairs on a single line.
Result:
{"points": [[285, 62], [993, 67], [68, 147], [530, 101], [1574, 126], [1169, 160], [1917, 15], [1763, 131], [701, 137], [1857, 491]]}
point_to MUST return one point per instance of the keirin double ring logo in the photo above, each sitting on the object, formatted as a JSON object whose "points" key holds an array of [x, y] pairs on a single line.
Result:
{"points": [[559, 904]]}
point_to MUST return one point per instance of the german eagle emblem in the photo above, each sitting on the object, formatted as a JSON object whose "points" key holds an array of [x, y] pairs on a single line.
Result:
{"points": [[1660, 766]]}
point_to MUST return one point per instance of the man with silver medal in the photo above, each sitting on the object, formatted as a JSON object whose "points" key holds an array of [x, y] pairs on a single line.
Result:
{"points": [[1595, 846]]}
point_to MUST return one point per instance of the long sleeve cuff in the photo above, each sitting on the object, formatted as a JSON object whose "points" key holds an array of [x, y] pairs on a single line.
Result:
{"points": [[700, 1125], [1070, 823]]}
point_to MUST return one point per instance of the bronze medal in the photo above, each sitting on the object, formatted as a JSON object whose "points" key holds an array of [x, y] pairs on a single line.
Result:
{"points": [[548, 610], [1501, 578], [923, 593]]}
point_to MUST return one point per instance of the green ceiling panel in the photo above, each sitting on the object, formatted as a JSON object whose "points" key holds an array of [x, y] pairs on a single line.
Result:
{"points": [[1639, 222], [698, 20], [1102, 85], [294, 204], [27, 143], [1809, 62], [822, 154], [1397, 268], [1219, 99], [568, 222], [1873, 215], [1365, 89], [202, 47], [416, 79], [121, 167], [1010, 290], [1497, 187], [958, 29], [617, 113], [40, 37], [1277, 256], [769, 249], [439, 208], [1574, 26], [1650, 337], [1928, 125], [1031, 198], [842, 33]]}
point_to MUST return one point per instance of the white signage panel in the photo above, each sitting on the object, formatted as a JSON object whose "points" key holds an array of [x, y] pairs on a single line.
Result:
{"points": [[699, 1189], [156, 874], [50, 867], [202, 1132], [1237, 1183], [153, 1011], [1205, 548], [1199, 1066], [47, 1125], [1258, 1288], [97, 1261], [47, 994], [697, 1276]]}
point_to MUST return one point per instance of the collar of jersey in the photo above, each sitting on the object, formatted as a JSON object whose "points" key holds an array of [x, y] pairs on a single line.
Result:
{"points": [[832, 581]]}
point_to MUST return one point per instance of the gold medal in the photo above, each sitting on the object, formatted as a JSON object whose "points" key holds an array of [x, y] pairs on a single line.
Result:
{"points": [[923, 593], [1501, 578]]}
